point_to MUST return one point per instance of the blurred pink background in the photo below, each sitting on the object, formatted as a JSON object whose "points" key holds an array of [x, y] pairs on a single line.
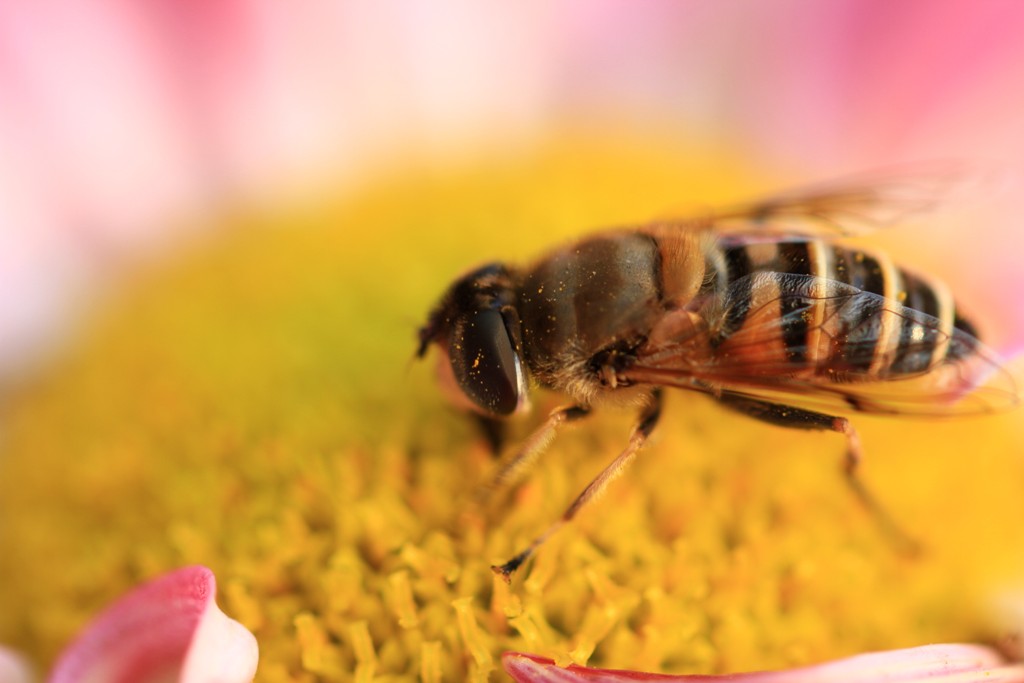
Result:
{"points": [[121, 123]]}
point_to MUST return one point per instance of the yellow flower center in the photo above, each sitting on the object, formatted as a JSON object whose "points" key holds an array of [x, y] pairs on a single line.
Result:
{"points": [[251, 405]]}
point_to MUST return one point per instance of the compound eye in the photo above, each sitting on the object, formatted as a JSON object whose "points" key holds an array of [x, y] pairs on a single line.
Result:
{"points": [[485, 362]]}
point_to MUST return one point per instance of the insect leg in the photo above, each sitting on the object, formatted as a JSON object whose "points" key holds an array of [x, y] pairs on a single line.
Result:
{"points": [[648, 420], [798, 418], [493, 431], [515, 467]]}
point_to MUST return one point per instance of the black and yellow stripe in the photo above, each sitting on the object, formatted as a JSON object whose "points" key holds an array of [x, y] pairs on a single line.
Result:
{"points": [[905, 332]]}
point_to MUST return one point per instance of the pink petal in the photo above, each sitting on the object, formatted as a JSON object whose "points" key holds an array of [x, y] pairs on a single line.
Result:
{"points": [[14, 668], [933, 663], [169, 629]]}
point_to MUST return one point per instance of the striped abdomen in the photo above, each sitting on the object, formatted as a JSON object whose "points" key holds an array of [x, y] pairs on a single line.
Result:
{"points": [[775, 316]]}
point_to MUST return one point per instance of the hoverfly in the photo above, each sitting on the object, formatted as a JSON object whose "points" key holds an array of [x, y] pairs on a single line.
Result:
{"points": [[759, 306]]}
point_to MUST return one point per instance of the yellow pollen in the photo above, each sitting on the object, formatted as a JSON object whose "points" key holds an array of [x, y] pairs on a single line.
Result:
{"points": [[249, 406]]}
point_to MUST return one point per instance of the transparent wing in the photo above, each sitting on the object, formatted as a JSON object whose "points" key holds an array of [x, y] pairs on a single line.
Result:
{"points": [[808, 341], [852, 206]]}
